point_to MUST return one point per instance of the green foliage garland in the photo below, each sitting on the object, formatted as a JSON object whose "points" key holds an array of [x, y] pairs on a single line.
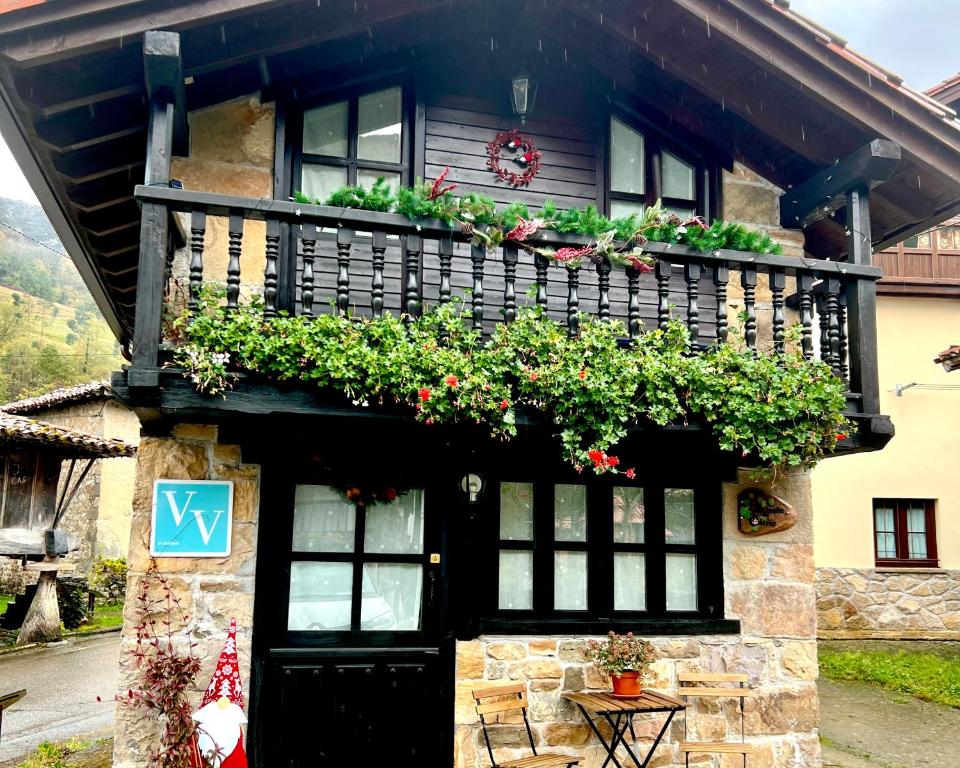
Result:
{"points": [[782, 409]]}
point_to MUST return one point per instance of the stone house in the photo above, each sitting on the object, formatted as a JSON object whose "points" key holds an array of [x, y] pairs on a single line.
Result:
{"points": [[888, 525], [100, 512], [352, 617]]}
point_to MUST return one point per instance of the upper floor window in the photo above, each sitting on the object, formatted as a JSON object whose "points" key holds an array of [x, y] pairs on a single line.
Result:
{"points": [[905, 532], [642, 170], [921, 240], [948, 238], [353, 141]]}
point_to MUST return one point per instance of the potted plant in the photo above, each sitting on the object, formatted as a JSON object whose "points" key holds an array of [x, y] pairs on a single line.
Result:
{"points": [[626, 659]]}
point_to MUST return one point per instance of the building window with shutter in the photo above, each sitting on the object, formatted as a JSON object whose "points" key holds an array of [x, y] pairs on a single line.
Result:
{"points": [[905, 532]]}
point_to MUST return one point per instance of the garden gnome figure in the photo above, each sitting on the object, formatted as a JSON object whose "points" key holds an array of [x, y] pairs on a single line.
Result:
{"points": [[220, 716]]}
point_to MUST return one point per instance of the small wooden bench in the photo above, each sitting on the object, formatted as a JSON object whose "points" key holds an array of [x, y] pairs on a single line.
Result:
{"points": [[715, 685], [7, 700], [501, 699]]}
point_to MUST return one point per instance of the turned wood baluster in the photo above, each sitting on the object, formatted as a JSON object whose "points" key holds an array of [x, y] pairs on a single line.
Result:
{"points": [[603, 283], [510, 259], [379, 247], [748, 280], [573, 301], [235, 234], [308, 234], [446, 260], [842, 323], [344, 242], [478, 254], [778, 281], [833, 327], [805, 289], [721, 276], [691, 274], [412, 269], [663, 271], [824, 315], [198, 226], [542, 264], [633, 302], [272, 251]]}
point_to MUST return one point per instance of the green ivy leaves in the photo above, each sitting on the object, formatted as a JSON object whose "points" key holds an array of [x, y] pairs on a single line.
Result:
{"points": [[782, 409]]}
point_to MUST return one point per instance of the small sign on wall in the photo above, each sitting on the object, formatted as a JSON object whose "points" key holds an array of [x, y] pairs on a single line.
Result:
{"points": [[191, 518]]}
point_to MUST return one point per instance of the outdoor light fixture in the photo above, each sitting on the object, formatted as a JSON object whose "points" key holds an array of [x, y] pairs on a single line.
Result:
{"points": [[523, 92], [472, 487]]}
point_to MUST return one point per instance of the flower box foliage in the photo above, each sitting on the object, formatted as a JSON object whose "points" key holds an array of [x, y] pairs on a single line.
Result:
{"points": [[783, 410]]}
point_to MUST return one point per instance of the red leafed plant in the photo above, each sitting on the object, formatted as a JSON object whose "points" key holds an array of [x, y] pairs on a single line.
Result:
{"points": [[437, 189], [167, 668]]}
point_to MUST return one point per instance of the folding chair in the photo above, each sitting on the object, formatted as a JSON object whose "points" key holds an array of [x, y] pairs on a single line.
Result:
{"points": [[695, 684], [500, 699]]}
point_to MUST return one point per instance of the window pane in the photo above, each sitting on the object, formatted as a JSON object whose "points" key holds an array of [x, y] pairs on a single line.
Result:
{"points": [[683, 213], [677, 177], [570, 581], [367, 178], [318, 181], [681, 582], [628, 515], [397, 527], [626, 158], [391, 596], [516, 581], [621, 209], [921, 240], [883, 520], [320, 596], [516, 511], [570, 513], [916, 532], [949, 239], [325, 130], [323, 521], [380, 126], [629, 581], [679, 514]]}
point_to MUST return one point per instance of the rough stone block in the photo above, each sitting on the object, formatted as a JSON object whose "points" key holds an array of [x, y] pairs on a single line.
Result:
{"points": [[794, 562], [506, 651], [470, 660], [197, 432], [799, 659], [543, 647], [535, 670], [566, 734], [748, 562]]}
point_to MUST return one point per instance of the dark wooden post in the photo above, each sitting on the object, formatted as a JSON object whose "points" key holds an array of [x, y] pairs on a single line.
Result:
{"points": [[478, 254], [633, 302], [308, 234], [603, 300], [270, 270], [234, 246], [379, 247], [862, 305], [510, 259], [805, 289], [344, 243], [542, 264], [691, 274], [154, 234], [445, 250], [573, 301], [411, 291], [198, 226], [721, 276], [748, 281], [664, 270], [833, 323]]}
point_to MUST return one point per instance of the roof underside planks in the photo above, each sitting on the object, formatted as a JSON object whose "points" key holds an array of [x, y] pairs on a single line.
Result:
{"points": [[750, 77]]}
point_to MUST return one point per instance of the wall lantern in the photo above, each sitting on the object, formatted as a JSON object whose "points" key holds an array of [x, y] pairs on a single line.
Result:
{"points": [[472, 487], [523, 93]]}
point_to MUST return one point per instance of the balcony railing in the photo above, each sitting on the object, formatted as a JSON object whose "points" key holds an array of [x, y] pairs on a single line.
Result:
{"points": [[312, 259]]}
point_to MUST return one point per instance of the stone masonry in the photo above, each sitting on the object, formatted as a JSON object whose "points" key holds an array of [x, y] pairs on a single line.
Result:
{"points": [[769, 586], [212, 590], [920, 604]]}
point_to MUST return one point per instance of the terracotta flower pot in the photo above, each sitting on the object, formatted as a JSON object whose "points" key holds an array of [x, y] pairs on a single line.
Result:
{"points": [[627, 683]]}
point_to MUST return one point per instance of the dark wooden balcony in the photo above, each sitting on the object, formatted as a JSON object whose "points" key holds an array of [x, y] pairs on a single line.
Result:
{"points": [[926, 264], [311, 259]]}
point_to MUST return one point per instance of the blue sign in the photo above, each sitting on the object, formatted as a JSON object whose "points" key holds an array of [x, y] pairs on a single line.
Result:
{"points": [[191, 518]]}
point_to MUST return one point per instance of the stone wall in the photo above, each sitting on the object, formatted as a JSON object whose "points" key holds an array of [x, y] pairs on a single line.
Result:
{"points": [[768, 583], [922, 603], [211, 590]]}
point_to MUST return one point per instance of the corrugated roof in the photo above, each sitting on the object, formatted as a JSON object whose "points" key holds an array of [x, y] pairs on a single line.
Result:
{"points": [[21, 432], [81, 393]]}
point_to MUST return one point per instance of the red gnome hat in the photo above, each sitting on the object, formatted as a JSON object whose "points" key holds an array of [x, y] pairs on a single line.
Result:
{"points": [[226, 677]]}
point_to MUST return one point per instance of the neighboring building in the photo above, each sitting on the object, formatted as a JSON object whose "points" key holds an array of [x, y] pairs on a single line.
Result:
{"points": [[99, 515], [716, 108], [887, 525]]}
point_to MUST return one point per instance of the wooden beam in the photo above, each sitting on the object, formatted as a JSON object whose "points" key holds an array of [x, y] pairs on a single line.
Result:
{"points": [[821, 195], [96, 124], [163, 73], [105, 159], [862, 304], [17, 542]]}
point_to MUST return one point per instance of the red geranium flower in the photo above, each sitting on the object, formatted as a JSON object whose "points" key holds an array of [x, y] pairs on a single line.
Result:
{"points": [[595, 456], [504, 405], [631, 473], [390, 494], [582, 374], [452, 380], [612, 461], [534, 376], [841, 436], [424, 394]]}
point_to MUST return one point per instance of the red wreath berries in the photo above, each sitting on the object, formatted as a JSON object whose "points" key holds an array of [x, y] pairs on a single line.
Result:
{"points": [[529, 157]]}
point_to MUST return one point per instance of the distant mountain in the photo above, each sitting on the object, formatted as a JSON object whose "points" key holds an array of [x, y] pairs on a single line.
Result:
{"points": [[30, 219]]}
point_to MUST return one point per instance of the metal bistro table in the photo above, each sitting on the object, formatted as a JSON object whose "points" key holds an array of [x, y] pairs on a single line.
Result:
{"points": [[619, 713]]}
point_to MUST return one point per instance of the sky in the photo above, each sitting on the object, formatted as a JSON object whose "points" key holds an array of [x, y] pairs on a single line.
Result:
{"points": [[914, 38]]}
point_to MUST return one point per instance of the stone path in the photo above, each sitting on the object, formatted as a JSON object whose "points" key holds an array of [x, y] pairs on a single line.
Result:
{"points": [[866, 727]]}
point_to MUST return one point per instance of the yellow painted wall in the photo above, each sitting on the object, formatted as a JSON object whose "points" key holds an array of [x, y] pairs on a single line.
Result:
{"points": [[922, 460]]}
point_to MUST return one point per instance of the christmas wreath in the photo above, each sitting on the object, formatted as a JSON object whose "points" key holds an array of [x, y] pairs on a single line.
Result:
{"points": [[526, 155]]}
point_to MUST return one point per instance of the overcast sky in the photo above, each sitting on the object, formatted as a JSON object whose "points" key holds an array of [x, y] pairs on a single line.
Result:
{"points": [[917, 39]]}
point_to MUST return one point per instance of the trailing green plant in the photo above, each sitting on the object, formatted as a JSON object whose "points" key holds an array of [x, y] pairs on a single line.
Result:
{"points": [[620, 240], [782, 409]]}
